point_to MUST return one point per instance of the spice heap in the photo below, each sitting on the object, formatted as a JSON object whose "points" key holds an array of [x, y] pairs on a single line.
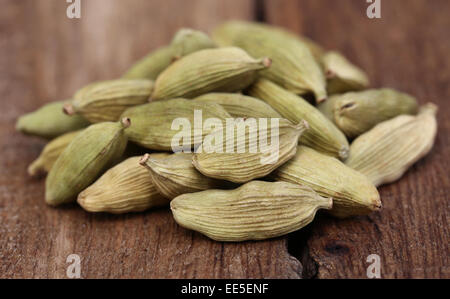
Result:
{"points": [[330, 152]]}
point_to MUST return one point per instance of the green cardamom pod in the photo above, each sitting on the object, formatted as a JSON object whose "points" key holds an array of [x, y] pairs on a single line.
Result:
{"points": [[353, 194], [239, 105], [175, 175], [50, 122], [107, 100], [240, 157], [342, 75], [221, 70], [357, 112], [84, 160], [255, 211], [185, 41], [153, 123], [317, 51], [387, 151], [323, 135], [50, 153], [125, 188], [151, 65], [293, 65], [327, 108]]}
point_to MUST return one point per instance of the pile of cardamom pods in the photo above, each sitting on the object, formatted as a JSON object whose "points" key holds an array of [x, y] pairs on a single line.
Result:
{"points": [[338, 140]]}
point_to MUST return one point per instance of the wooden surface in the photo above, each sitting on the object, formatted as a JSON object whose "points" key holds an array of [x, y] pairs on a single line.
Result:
{"points": [[45, 56]]}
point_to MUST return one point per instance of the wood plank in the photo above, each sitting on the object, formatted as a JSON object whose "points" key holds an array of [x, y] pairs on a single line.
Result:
{"points": [[45, 56], [406, 49]]}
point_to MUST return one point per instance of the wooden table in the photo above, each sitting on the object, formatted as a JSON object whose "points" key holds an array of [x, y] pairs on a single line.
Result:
{"points": [[45, 56]]}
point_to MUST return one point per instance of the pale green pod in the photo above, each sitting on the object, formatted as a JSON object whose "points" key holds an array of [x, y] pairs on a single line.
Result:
{"points": [[84, 160], [151, 65], [387, 151], [353, 194], [342, 75], [125, 188], [220, 70], [240, 157], [317, 51], [327, 108], [293, 64], [107, 100], [239, 105], [49, 122], [185, 41], [358, 112], [323, 135], [154, 126], [225, 34], [175, 175], [50, 153], [255, 211]]}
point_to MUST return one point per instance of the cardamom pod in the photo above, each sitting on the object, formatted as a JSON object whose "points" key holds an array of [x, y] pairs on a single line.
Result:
{"points": [[323, 135], [293, 64], [342, 75], [125, 188], [185, 41], [222, 70], [239, 105], [243, 155], [49, 122], [353, 194], [151, 65], [255, 211], [175, 175], [317, 51], [84, 160], [358, 112], [386, 152], [154, 127], [107, 100], [50, 153], [327, 108]]}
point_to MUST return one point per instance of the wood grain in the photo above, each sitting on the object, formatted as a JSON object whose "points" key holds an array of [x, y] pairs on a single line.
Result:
{"points": [[45, 56], [406, 49]]}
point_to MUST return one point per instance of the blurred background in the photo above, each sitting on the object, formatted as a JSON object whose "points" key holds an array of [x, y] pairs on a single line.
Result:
{"points": [[45, 56]]}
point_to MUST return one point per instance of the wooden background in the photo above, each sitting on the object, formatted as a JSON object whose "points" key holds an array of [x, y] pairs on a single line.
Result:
{"points": [[45, 56]]}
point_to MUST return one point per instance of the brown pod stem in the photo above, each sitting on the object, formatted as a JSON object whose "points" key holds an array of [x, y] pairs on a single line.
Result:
{"points": [[68, 109], [126, 122], [175, 58], [321, 100], [267, 62], [144, 160], [330, 74]]}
